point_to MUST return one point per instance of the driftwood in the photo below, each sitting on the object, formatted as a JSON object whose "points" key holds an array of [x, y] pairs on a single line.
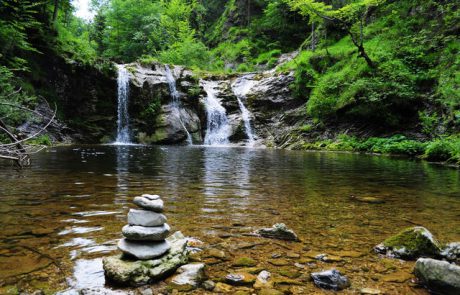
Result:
{"points": [[18, 150]]}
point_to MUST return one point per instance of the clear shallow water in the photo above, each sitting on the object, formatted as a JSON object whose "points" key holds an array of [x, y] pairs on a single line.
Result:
{"points": [[59, 217]]}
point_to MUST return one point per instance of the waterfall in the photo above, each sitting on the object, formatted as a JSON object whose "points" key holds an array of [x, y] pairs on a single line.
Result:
{"points": [[176, 100], [218, 128], [123, 97], [241, 87]]}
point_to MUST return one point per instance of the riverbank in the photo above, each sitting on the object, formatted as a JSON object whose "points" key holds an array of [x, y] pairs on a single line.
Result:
{"points": [[445, 151]]}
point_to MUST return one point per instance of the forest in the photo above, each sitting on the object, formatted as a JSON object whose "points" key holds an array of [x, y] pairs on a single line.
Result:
{"points": [[391, 66], [269, 147]]}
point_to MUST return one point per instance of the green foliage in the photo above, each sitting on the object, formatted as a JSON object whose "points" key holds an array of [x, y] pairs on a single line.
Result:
{"points": [[41, 140], [444, 149]]}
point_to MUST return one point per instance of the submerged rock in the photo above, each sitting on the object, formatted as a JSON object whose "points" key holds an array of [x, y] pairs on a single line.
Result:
{"points": [[188, 278], [438, 276], [142, 233], [451, 251], [240, 279], [330, 279], [123, 271], [155, 205], [278, 231], [145, 218], [263, 280], [410, 243]]}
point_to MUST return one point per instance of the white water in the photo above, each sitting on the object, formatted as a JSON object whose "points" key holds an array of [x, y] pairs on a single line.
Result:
{"points": [[176, 100], [123, 99], [218, 129], [241, 87]]}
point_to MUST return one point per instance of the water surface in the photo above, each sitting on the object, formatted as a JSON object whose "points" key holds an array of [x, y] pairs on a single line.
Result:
{"points": [[59, 217]]}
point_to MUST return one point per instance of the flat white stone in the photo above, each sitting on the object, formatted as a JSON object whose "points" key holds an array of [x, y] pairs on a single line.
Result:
{"points": [[145, 218], [143, 233], [144, 250]]}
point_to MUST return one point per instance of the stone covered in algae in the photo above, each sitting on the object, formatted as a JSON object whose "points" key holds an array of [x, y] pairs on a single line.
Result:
{"points": [[135, 273], [410, 243]]}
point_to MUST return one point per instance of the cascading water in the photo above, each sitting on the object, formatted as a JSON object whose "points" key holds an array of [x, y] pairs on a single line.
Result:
{"points": [[218, 128], [123, 98], [176, 100], [241, 88]]}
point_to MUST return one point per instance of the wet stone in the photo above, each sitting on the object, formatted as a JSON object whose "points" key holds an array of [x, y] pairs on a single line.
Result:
{"points": [[145, 218], [143, 250], [240, 279], [188, 277], [439, 276], [369, 291], [208, 285], [410, 243], [245, 262], [330, 279], [278, 231], [148, 204], [142, 233]]}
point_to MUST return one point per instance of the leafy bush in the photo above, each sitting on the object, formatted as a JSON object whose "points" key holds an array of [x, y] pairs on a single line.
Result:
{"points": [[441, 150]]}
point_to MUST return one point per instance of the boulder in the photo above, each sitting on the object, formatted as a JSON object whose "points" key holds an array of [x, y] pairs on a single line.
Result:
{"points": [[439, 276], [145, 218], [142, 233], [123, 271], [143, 250], [188, 277], [410, 243], [278, 231], [148, 204], [330, 279]]}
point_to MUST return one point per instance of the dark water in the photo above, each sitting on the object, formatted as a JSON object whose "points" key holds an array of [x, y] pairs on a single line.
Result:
{"points": [[59, 217]]}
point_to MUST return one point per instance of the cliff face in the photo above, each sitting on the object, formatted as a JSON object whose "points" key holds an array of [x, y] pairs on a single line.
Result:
{"points": [[86, 98], [273, 111]]}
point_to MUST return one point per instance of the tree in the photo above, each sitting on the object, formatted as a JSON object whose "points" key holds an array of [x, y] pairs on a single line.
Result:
{"points": [[351, 17]]}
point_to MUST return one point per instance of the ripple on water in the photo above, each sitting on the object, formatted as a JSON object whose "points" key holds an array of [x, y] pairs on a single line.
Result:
{"points": [[80, 230]]}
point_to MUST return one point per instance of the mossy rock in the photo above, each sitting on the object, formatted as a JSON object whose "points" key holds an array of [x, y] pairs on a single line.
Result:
{"points": [[245, 262], [410, 243]]}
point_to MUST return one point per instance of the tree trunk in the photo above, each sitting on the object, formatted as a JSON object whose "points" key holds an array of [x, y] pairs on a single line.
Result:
{"points": [[56, 9]]}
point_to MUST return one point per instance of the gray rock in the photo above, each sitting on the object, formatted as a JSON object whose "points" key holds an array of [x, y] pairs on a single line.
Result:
{"points": [[142, 233], [451, 251], [439, 276], [330, 279], [208, 285], [152, 205], [123, 271], [188, 277], [143, 250], [145, 218], [410, 243], [278, 231]]}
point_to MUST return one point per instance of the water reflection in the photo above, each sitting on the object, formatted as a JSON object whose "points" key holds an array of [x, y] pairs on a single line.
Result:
{"points": [[72, 203]]}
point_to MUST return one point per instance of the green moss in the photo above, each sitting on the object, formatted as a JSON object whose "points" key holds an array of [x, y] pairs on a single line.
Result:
{"points": [[245, 262], [413, 242]]}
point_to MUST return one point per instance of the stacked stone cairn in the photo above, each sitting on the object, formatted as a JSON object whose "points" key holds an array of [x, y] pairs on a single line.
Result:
{"points": [[146, 230], [149, 255]]}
